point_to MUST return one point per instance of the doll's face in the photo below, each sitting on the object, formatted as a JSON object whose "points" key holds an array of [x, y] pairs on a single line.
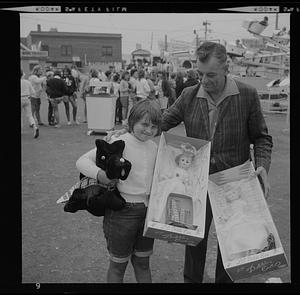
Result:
{"points": [[233, 195], [185, 162]]}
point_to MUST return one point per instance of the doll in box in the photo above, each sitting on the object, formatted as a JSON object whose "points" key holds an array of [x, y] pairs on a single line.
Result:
{"points": [[176, 191], [245, 233]]}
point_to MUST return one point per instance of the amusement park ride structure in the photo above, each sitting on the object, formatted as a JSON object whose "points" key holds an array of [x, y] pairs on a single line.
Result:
{"points": [[279, 42]]}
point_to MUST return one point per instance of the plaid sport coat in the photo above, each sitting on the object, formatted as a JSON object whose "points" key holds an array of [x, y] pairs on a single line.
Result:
{"points": [[240, 123]]}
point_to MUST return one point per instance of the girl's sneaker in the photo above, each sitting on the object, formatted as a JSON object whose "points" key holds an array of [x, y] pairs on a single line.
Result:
{"points": [[57, 126]]}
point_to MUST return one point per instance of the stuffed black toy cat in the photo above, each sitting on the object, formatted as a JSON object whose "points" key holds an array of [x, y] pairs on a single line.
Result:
{"points": [[94, 197]]}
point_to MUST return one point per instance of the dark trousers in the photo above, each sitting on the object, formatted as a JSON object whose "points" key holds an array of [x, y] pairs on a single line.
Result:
{"points": [[118, 114], [71, 99], [50, 113], [195, 257]]}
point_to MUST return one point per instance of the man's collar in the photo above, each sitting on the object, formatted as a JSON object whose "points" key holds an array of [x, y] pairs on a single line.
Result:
{"points": [[230, 89]]}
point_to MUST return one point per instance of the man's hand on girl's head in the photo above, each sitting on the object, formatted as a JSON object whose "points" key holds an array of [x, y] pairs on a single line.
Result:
{"points": [[115, 133]]}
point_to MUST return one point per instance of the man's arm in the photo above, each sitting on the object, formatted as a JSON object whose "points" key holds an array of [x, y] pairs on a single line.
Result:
{"points": [[262, 143], [258, 133]]}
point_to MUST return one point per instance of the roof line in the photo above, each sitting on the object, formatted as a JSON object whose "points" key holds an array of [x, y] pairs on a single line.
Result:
{"points": [[74, 33]]}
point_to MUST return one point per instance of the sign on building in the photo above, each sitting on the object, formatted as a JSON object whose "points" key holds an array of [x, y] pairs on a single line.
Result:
{"points": [[26, 53]]}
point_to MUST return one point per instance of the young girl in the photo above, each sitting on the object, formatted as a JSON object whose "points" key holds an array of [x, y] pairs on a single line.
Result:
{"points": [[123, 229]]}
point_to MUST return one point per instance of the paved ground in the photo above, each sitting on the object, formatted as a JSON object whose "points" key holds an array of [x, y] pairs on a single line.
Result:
{"points": [[59, 247]]}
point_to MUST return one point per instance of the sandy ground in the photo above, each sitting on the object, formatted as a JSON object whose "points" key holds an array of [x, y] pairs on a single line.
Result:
{"points": [[60, 247]]}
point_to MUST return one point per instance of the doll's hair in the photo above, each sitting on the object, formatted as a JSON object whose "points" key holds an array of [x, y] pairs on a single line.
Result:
{"points": [[187, 150]]}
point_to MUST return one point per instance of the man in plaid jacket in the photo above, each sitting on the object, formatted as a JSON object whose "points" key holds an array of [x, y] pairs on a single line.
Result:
{"points": [[227, 113]]}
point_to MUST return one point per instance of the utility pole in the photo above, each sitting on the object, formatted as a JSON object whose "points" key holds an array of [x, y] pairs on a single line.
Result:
{"points": [[151, 56], [151, 41], [206, 23], [276, 22], [166, 43], [197, 38]]}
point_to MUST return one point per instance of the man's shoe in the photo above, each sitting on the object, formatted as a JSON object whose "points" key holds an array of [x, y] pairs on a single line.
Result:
{"points": [[36, 132], [41, 124], [57, 126]]}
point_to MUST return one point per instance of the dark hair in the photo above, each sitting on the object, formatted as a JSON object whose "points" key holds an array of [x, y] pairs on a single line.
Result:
{"points": [[68, 70], [173, 75], [57, 73], [144, 107], [211, 49], [124, 74], [192, 74], [94, 73], [132, 72], [115, 78], [141, 74]]}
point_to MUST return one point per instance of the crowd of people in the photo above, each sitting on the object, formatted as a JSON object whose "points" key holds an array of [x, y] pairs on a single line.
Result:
{"points": [[129, 86]]}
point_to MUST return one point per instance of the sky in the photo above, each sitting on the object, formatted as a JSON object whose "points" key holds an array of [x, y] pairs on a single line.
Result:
{"points": [[148, 28]]}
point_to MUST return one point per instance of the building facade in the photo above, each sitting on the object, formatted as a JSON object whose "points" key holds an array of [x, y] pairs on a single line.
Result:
{"points": [[141, 56], [83, 49], [29, 58]]}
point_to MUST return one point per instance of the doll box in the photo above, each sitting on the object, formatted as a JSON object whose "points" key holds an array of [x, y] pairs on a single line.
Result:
{"points": [[177, 203], [247, 236]]}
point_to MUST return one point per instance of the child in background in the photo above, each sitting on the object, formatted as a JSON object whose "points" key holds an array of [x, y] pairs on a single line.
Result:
{"points": [[123, 229]]}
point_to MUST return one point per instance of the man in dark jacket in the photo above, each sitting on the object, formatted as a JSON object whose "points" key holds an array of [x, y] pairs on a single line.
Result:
{"points": [[56, 90], [227, 113], [70, 95]]}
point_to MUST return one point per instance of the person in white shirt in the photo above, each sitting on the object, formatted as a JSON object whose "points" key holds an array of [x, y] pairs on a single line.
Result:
{"points": [[116, 92], [26, 92], [83, 90], [132, 89], [124, 95], [37, 81], [102, 77], [142, 86], [123, 229]]}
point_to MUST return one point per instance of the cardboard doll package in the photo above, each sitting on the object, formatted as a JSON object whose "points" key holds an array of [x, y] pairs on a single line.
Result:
{"points": [[247, 236], [177, 204]]}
